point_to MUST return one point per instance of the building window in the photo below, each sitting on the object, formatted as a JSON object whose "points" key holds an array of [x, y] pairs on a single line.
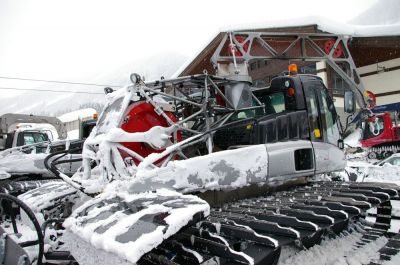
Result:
{"points": [[256, 65], [338, 85], [260, 83], [308, 69]]}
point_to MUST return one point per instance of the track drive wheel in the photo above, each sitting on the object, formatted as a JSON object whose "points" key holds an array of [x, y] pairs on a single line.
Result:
{"points": [[387, 154], [372, 155]]}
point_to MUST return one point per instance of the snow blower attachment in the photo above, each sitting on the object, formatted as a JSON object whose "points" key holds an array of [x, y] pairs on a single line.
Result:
{"points": [[206, 169], [145, 131]]}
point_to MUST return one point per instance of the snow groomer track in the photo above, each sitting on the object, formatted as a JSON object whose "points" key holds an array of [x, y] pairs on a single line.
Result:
{"points": [[252, 231], [258, 230]]}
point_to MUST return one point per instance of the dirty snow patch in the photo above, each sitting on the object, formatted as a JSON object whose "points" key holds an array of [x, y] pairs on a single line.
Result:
{"points": [[225, 169], [337, 251]]}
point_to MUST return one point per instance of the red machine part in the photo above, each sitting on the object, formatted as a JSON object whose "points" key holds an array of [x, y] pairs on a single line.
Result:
{"points": [[328, 47], [236, 51], [219, 98], [141, 117], [373, 98]]}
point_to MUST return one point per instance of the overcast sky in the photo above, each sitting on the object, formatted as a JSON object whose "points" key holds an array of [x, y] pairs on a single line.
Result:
{"points": [[77, 40]]}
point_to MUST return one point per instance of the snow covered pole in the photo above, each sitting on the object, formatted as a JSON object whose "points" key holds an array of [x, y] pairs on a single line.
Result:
{"points": [[233, 51]]}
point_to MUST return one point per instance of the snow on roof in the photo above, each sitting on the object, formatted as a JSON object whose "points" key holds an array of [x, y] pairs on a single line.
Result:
{"points": [[326, 25], [322, 24], [77, 114], [74, 134]]}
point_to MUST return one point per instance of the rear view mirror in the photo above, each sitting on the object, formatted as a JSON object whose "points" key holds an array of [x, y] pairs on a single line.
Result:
{"points": [[349, 102]]}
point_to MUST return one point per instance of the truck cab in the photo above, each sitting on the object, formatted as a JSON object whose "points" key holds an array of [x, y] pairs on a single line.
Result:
{"points": [[23, 137], [16, 130], [296, 107]]}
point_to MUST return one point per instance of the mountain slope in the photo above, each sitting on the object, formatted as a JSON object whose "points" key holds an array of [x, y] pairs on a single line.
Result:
{"points": [[383, 12], [51, 103]]}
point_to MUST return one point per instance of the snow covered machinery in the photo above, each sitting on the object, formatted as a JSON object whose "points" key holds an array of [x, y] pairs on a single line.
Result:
{"points": [[206, 169], [380, 136]]}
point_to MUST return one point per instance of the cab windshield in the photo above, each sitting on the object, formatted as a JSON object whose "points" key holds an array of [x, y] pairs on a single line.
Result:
{"points": [[373, 129], [27, 138], [274, 103]]}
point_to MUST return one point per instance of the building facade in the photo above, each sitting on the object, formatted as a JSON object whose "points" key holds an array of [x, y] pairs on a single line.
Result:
{"points": [[376, 56]]}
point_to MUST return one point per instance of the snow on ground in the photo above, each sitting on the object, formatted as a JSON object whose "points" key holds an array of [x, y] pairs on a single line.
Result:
{"points": [[77, 114], [361, 169], [353, 139], [385, 173], [337, 251], [364, 170]]}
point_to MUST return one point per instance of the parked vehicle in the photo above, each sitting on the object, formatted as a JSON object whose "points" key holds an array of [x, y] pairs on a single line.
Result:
{"points": [[381, 135], [221, 177]]}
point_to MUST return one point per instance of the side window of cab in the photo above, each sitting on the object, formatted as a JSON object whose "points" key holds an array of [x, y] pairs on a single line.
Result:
{"points": [[313, 113], [329, 117]]}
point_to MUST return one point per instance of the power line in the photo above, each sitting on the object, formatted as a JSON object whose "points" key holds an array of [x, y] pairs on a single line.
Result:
{"points": [[54, 81], [50, 90]]}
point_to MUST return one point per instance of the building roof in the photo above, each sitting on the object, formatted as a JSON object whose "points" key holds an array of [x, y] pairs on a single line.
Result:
{"points": [[324, 25], [388, 35], [77, 114]]}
